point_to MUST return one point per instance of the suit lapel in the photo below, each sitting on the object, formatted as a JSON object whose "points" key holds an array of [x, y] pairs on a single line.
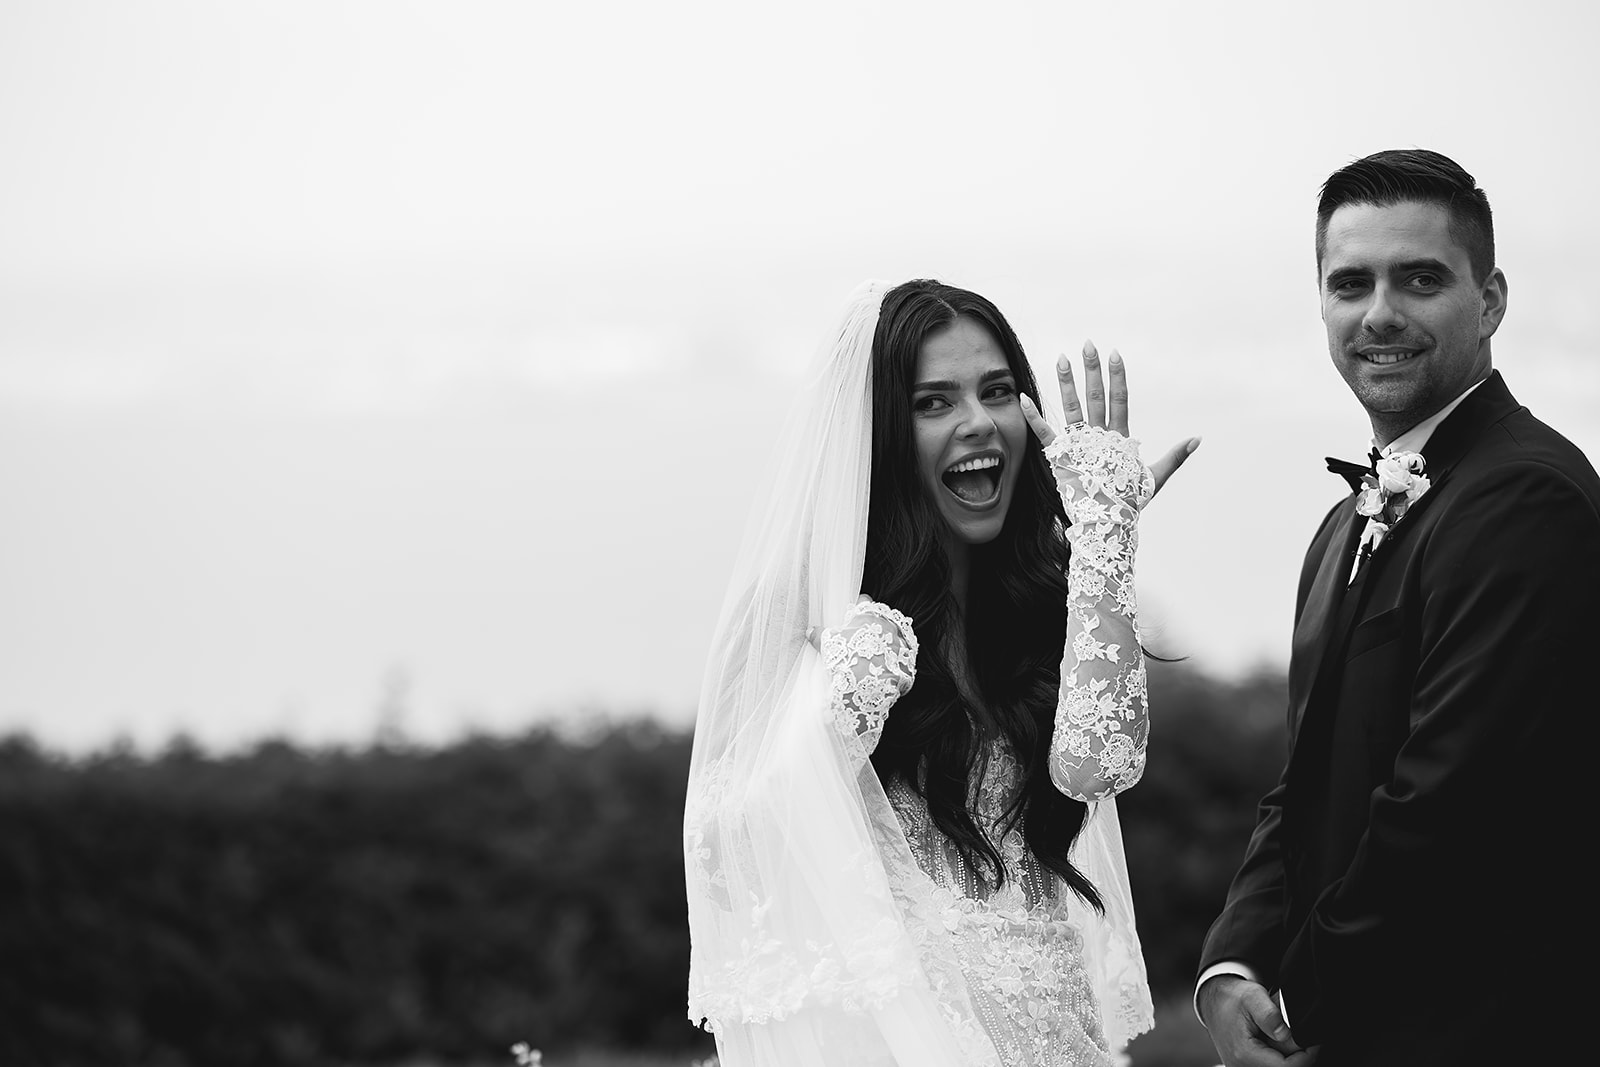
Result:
{"points": [[1488, 404], [1315, 628]]}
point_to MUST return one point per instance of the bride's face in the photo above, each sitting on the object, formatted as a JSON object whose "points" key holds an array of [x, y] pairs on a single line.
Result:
{"points": [[969, 428]]}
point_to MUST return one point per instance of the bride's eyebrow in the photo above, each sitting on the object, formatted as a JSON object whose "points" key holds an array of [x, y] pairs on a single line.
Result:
{"points": [[946, 385]]}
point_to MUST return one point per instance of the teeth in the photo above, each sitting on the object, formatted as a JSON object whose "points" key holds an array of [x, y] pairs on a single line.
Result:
{"points": [[1387, 357], [975, 465]]}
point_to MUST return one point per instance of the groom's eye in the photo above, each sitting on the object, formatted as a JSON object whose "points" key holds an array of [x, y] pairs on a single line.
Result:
{"points": [[1348, 282]]}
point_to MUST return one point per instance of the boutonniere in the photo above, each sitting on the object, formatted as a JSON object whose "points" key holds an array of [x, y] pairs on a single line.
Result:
{"points": [[1394, 485]]}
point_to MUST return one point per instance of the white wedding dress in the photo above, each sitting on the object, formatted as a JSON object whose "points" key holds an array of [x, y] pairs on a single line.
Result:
{"points": [[832, 924]]}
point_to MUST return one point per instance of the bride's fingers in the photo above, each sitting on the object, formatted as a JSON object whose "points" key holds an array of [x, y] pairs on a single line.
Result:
{"points": [[1036, 422], [1118, 419], [1173, 459], [1069, 392], [1094, 389]]}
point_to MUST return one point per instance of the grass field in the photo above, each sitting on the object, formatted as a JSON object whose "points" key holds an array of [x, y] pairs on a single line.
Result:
{"points": [[1178, 1040]]}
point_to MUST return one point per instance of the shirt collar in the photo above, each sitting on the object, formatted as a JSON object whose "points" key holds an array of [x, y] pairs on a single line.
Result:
{"points": [[1415, 438]]}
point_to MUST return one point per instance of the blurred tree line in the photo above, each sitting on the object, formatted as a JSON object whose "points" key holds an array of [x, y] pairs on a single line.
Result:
{"points": [[397, 904]]}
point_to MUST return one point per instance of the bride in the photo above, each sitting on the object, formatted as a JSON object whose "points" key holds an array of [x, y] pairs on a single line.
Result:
{"points": [[925, 688]]}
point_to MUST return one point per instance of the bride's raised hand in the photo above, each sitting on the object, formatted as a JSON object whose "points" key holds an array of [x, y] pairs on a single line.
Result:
{"points": [[1095, 411]]}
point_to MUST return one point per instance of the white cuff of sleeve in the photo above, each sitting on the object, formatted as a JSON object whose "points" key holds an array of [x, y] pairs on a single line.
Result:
{"points": [[1238, 967]]}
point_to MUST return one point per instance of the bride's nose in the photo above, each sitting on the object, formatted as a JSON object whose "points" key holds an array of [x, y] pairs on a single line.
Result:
{"points": [[976, 420]]}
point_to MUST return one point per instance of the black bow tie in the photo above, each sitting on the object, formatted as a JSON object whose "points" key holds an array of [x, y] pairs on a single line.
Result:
{"points": [[1354, 472]]}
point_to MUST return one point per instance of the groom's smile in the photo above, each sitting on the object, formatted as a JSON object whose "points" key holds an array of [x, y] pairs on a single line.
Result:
{"points": [[1385, 356]]}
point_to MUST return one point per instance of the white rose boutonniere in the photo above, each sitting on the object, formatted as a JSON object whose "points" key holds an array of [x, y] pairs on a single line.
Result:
{"points": [[1396, 482]]}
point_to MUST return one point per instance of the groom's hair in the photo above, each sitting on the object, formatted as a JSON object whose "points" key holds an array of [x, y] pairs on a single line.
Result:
{"points": [[1414, 174]]}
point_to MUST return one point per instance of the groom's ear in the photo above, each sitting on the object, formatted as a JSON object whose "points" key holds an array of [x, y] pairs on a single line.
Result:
{"points": [[1493, 295]]}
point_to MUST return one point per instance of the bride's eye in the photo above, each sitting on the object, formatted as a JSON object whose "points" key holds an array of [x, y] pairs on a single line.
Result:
{"points": [[929, 403]]}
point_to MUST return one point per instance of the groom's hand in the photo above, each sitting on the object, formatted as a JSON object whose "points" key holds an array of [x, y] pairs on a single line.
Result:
{"points": [[1246, 1026]]}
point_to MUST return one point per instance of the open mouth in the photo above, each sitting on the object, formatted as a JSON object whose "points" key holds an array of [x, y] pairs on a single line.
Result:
{"points": [[975, 481]]}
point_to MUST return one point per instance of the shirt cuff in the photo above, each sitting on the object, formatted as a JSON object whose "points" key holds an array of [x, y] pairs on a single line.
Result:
{"points": [[1238, 967]]}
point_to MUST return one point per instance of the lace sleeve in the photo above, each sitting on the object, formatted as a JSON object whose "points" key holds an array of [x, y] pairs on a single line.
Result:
{"points": [[1102, 721], [872, 659]]}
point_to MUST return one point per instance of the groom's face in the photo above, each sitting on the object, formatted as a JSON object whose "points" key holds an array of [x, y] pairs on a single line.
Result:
{"points": [[1408, 327]]}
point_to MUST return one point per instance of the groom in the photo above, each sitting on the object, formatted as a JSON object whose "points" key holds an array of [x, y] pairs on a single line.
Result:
{"points": [[1413, 884]]}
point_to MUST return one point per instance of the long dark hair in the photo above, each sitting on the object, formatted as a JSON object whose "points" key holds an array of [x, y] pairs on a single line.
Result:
{"points": [[1015, 622]]}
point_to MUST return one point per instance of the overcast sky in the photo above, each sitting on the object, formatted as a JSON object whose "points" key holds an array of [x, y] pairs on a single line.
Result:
{"points": [[416, 359]]}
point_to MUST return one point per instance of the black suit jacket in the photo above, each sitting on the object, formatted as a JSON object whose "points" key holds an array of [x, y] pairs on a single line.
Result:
{"points": [[1412, 885]]}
